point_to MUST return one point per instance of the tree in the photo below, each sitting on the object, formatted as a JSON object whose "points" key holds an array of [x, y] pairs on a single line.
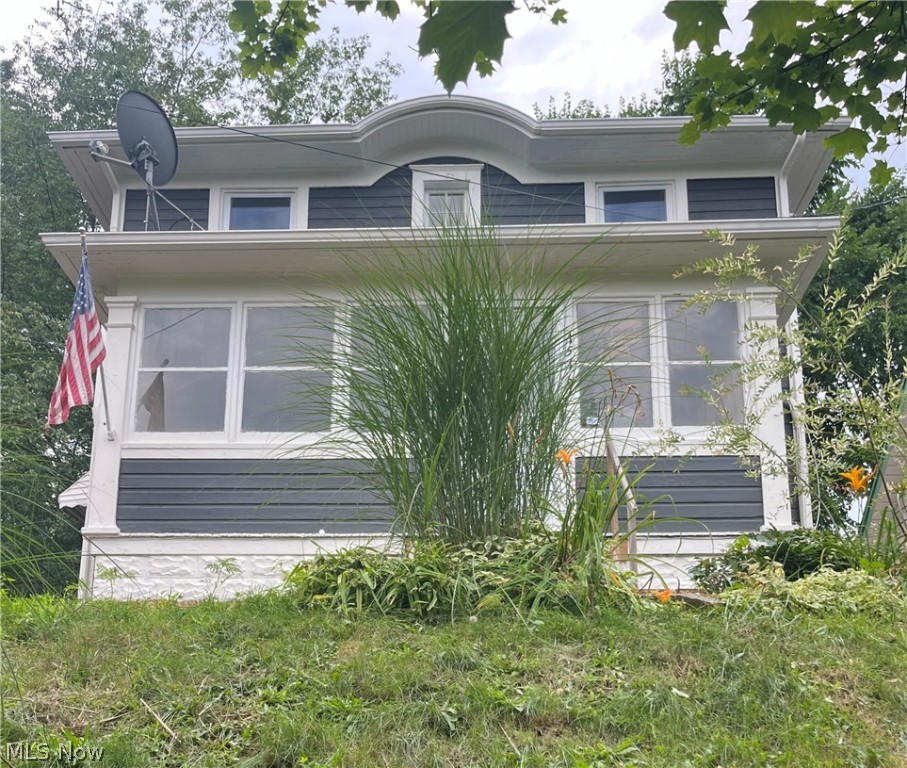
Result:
{"points": [[678, 81], [68, 76], [808, 63], [329, 83]]}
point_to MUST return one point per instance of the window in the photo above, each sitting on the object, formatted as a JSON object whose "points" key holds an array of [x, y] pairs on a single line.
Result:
{"points": [[614, 337], [285, 386], [182, 381], [259, 212], [444, 195], [634, 204], [703, 348], [446, 203]]}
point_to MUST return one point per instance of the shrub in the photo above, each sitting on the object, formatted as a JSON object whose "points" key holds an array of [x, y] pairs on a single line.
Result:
{"points": [[438, 579], [825, 591], [799, 552]]}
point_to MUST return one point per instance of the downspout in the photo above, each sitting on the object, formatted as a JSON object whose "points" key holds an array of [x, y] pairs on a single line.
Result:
{"points": [[784, 196]]}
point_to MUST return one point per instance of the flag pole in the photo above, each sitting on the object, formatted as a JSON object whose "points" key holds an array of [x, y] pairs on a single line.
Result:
{"points": [[111, 435]]}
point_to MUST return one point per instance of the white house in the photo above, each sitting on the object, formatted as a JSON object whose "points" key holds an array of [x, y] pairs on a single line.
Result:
{"points": [[193, 465]]}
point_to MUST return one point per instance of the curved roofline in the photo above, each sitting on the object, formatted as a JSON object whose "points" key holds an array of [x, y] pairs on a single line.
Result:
{"points": [[472, 104]]}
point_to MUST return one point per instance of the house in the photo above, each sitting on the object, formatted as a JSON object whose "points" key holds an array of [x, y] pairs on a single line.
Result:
{"points": [[193, 468]]}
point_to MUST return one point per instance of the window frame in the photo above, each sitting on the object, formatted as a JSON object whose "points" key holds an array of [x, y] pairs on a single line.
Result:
{"points": [[666, 186], [145, 436], [650, 303], [465, 177], [232, 436], [259, 435], [227, 196], [711, 364], [659, 365]]}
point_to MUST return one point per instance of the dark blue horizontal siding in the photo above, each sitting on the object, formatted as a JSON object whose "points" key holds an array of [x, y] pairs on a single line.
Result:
{"points": [[691, 495], [388, 202], [248, 496], [194, 202], [742, 198], [505, 201]]}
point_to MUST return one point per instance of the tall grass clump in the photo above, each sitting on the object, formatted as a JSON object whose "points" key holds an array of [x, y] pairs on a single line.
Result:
{"points": [[460, 377]]}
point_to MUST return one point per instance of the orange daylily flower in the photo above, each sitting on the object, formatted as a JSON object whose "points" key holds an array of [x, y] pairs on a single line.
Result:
{"points": [[858, 478], [565, 456], [663, 595]]}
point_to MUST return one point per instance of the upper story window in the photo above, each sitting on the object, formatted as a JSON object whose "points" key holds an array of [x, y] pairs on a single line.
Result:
{"points": [[447, 203], [635, 203], [258, 211], [446, 195]]}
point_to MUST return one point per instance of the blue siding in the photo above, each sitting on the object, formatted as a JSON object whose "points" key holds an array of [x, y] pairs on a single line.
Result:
{"points": [[388, 202], [248, 496], [701, 493], [743, 198], [506, 201], [194, 202]]}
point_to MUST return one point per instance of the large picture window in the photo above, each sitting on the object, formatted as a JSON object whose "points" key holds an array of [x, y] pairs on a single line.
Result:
{"points": [[615, 337], [703, 350], [285, 387], [184, 361]]}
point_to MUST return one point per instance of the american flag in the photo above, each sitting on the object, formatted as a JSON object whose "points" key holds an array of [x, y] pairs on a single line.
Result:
{"points": [[84, 352]]}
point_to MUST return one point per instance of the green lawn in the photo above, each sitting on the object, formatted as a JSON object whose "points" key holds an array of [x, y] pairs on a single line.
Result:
{"points": [[257, 682]]}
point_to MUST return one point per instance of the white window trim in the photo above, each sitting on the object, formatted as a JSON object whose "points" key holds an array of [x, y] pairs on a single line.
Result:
{"points": [[227, 196], [469, 174], [635, 186], [232, 436]]}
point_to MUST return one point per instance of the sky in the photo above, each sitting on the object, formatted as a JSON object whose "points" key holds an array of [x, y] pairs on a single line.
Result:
{"points": [[587, 56], [606, 50]]}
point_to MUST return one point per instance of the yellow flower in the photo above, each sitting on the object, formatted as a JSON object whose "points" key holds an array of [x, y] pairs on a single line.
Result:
{"points": [[663, 595], [858, 478], [565, 456]]}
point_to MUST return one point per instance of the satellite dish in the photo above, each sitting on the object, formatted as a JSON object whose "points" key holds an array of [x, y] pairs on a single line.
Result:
{"points": [[147, 137], [150, 146]]}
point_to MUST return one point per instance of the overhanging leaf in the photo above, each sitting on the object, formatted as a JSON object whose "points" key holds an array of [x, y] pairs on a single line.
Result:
{"points": [[698, 21], [849, 141], [463, 33], [778, 19]]}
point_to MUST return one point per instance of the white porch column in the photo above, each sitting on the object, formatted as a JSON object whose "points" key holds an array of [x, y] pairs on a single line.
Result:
{"points": [[103, 482], [770, 435]]}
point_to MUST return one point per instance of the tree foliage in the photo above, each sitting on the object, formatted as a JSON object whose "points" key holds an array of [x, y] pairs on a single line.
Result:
{"points": [[808, 63], [340, 85], [678, 80], [68, 76], [464, 35]]}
